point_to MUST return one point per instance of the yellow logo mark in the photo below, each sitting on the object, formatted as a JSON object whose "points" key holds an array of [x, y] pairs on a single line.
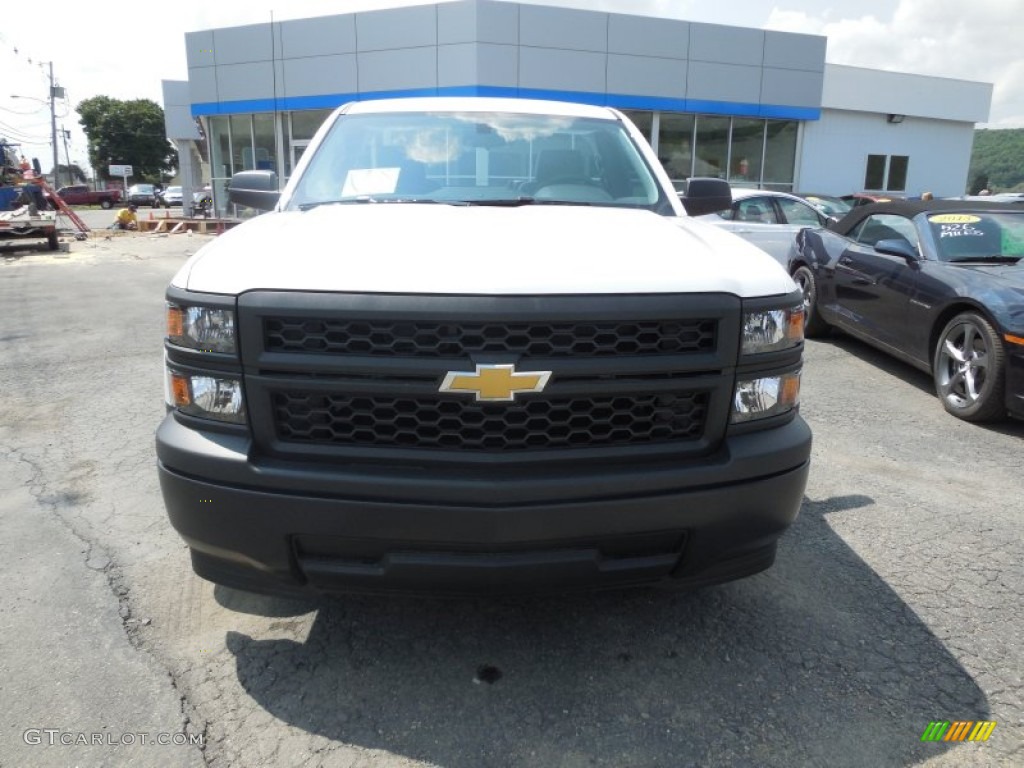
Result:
{"points": [[954, 218], [495, 383]]}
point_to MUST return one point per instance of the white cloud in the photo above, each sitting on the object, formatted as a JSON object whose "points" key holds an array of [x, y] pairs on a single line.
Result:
{"points": [[979, 41], [92, 56]]}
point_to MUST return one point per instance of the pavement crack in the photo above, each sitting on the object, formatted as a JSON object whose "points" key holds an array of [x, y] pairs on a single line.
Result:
{"points": [[97, 558]]}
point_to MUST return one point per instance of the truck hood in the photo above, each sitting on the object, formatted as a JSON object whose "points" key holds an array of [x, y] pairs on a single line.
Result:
{"points": [[480, 250]]}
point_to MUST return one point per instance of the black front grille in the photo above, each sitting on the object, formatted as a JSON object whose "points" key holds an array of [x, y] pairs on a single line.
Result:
{"points": [[464, 424], [459, 339]]}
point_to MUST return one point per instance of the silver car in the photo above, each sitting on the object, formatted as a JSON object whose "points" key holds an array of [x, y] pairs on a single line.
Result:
{"points": [[170, 196], [768, 219]]}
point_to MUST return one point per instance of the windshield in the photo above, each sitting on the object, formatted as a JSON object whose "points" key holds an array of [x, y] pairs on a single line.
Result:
{"points": [[830, 206], [983, 236], [478, 158]]}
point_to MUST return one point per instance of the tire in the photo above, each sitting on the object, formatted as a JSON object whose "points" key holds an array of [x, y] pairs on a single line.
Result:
{"points": [[106, 204], [52, 242], [813, 324], [969, 369]]}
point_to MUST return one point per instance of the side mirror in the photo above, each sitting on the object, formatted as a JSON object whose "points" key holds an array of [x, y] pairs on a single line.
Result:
{"points": [[897, 247], [706, 196], [256, 189]]}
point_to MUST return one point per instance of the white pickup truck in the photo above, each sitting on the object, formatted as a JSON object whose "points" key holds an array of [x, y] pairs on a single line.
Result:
{"points": [[477, 346]]}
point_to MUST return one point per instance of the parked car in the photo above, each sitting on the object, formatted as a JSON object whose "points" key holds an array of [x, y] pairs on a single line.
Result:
{"points": [[833, 206], [170, 196], [867, 198], [938, 283], [1008, 197], [143, 194], [202, 202], [768, 219], [80, 194]]}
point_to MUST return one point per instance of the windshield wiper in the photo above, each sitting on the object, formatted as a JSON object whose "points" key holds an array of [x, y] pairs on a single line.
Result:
{"points": [[513, 202], [994, 258]]}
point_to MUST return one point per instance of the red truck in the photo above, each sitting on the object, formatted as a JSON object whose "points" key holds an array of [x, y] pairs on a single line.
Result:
{"points": [[80, 194]]}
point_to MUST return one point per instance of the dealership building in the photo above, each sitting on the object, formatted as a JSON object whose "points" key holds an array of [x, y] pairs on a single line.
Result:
{"points": [[757, 107]]}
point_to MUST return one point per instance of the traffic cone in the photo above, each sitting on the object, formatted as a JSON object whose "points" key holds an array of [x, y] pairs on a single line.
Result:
{"points": [[150, 215]]}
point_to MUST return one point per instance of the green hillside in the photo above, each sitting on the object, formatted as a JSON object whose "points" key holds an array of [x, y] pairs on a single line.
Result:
{"points": [[997, 161]]}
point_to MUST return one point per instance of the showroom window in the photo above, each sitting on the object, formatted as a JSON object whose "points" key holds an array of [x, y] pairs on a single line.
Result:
{"points": [[675, 139], [745, 152], [712, 148], [264, 150], [779, 154]]}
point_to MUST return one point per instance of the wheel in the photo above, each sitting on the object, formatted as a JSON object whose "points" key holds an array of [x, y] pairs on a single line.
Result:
{"points": [[106, 204], [969, 369], [52, 242], [813, 324]]}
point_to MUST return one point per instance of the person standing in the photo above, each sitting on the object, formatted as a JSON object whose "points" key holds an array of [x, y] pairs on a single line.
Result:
{"points": [[742, 171]]}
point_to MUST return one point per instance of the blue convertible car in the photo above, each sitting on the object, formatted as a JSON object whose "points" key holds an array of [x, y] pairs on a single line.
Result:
{"points": [[939, 284]]}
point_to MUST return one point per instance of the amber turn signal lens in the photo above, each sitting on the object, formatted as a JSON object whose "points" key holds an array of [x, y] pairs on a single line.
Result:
{"points": [[790, 390], [180, 390], [796, 324], [175, 322]]}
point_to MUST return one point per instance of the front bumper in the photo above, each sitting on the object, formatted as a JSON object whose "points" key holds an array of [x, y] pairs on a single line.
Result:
{"points": [[1015, 380], [296, 528]]}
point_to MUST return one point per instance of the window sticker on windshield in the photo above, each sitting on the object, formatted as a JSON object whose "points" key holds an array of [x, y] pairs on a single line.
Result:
{"points": [[954, 218], [960, 230], [370, 181]]}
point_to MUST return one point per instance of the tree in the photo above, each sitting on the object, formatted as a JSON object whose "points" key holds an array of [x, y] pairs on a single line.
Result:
{"points": [[127, 133], [998, 156]]}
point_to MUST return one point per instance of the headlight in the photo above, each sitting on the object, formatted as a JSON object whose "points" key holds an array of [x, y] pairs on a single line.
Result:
{"points": [[765, 396], [209, 397], [206, 329], [772, 330]]}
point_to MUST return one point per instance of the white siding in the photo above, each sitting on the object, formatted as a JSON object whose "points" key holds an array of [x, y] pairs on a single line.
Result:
{"points": [[834, 152], [872, 90]]}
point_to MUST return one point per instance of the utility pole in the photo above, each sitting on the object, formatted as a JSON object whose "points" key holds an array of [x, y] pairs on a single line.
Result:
{"points": [[67, 155], [53, 129]]}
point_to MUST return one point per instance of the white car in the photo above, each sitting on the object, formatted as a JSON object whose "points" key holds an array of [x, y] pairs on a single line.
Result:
{"points": [[477, 346], [1007, 197], [171, 196], [768, 219]]}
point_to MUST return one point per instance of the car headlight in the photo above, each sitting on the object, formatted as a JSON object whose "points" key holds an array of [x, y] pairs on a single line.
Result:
{"points": [[772, 330], [208, 397], [206, 329], [765, 396]]}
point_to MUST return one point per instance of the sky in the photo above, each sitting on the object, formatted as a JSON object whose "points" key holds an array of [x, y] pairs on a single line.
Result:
{"points": [[124, 51]]}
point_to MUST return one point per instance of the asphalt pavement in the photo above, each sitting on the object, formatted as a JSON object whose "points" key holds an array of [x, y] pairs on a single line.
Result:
{"points": [[895, 600]]}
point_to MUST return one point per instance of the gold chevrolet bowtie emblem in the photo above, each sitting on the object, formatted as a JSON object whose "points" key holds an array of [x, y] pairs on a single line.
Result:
{"points": [[495, 383]]}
